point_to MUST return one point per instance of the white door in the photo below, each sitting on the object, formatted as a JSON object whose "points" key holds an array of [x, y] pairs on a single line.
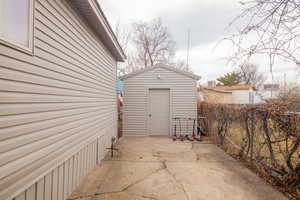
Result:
{"points": [[159, 115]]}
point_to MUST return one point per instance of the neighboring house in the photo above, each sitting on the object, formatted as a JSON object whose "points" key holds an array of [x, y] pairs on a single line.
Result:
{"points": [[236, 94], [216, 96], [242, 94], [120, 87], [57, 95], [154, 96], [270, 91]]}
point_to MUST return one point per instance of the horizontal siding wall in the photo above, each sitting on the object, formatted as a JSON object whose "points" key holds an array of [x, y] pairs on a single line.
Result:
{"points": [[61, 181], [183, 95], [58, 107]]}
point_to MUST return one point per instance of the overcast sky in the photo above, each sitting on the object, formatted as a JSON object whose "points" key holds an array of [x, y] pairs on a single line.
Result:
{"points": [[208, 21]]}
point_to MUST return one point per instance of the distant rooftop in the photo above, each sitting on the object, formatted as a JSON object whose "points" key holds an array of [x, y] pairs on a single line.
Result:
{"points": [[271, 86], [235, 87], [213, 89]]}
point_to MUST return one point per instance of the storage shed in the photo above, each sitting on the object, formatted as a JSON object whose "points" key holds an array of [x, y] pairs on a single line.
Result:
{"points": [[58, 108], [154, 96]]}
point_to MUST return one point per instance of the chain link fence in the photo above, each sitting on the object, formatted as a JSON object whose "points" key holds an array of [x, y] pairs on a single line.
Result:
{"points": [[268, 136]]}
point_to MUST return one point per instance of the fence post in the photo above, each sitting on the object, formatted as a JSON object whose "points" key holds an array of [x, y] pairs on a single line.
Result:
{"points": [[97, 149], [252, 133]]}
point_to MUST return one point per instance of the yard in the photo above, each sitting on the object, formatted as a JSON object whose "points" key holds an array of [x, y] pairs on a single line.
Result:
{"points": [[161, 169]]}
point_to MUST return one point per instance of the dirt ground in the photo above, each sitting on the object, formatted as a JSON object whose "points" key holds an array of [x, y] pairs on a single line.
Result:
{"points": [[157, 168]]}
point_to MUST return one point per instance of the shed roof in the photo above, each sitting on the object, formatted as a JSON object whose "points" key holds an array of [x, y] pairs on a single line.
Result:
{"points": [[164, 66], [93, 14]]}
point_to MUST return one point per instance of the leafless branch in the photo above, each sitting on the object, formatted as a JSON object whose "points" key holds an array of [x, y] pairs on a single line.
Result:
{"points": [[249, 74], [272, 28], [153, 42]]}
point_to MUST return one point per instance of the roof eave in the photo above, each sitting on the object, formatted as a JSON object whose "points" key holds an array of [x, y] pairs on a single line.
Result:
{"points": [[188, 74], [93, 14], [216, 90]]}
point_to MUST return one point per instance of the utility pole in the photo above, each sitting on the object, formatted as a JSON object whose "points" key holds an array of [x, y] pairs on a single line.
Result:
{"points": [[284, 79], [271, 70], [188, 49], [272, 87]]}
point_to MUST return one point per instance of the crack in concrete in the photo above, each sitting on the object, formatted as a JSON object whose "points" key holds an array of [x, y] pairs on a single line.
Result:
{"points": [[164, 167], [124, 189], [147, 197], [145, 177], [134, 161], [193, 150], [99, 194], [177, 181]]}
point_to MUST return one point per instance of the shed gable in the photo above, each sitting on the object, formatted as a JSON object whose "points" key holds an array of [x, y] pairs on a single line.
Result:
{"points": [[162, 66], [162, 74]]}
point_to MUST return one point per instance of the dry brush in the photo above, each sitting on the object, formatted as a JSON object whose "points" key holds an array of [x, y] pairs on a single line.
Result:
{"points": [[267, 136]]}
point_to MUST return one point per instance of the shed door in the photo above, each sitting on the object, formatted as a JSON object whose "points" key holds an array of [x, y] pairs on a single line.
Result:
{"points": [[159, 114]]}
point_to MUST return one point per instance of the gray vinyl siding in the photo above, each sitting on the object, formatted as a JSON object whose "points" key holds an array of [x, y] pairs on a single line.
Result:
{"points": [[58, 107], [182, 104]]}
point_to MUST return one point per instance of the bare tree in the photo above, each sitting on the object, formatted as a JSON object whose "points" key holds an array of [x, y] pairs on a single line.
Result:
{"points": [[181, 65], [274, 25], [147, 44], [248, 74], [153, 42], [123, 34], [290, 92]]}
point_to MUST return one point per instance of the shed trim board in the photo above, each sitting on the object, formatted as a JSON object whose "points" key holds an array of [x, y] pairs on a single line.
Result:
{"points": [[183, 98]]}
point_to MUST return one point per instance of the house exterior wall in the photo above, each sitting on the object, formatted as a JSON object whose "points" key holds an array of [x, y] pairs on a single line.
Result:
{"points": [[58, 107], [211, 96], [246, 97], [241, 96], [183, 98]]}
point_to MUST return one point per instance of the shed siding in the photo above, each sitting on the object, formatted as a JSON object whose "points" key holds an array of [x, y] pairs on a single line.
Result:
{"points": [[56, 107], [183, 98]]}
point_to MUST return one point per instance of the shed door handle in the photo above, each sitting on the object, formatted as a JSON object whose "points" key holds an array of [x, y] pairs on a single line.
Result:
{"points": [[150, 115]]}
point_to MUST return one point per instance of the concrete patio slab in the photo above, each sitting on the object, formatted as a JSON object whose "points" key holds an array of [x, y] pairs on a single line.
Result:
{"points": [[158, 168]]}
